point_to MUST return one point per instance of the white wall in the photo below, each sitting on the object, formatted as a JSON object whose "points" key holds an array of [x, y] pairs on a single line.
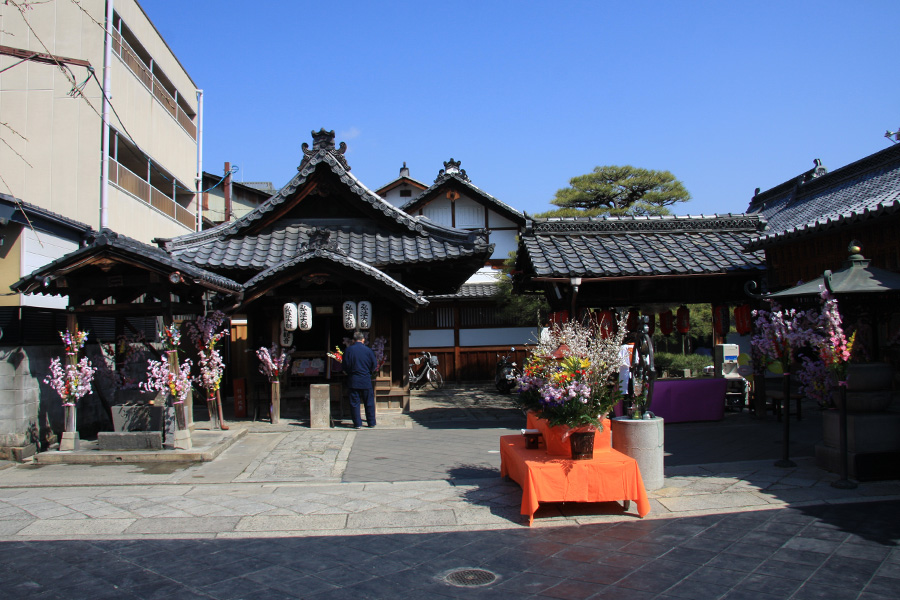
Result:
{"points": [[431, 338], [498, 336], [504, 242], [37, 251]]}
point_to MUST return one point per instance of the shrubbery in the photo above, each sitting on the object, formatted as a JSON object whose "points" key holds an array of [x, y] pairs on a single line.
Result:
{"points": [[676, 363]]}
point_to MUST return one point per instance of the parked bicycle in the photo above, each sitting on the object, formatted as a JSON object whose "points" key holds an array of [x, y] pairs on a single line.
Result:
{"points": [[424, 372]]}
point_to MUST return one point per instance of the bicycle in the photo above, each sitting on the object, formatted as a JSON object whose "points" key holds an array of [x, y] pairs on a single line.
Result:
{"points": [[427, 372]]}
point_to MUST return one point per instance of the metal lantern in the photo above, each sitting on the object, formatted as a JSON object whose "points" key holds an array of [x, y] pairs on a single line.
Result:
{"points": [[287, 338], [364, 314], [349, 314], [666, 322], [304, 316], [290, 317], [683, 320]]}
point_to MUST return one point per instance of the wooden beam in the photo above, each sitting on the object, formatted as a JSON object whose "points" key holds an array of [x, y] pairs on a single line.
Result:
{"points": [[140, 309]]}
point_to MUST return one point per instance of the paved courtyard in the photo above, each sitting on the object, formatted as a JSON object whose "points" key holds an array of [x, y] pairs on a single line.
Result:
{"points": [[291, 512]]}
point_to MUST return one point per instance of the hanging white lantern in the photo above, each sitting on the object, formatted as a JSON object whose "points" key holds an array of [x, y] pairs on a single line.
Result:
{"points": [[364, 314], [304, 316], [287, 338], [290, 316], [349, 314]]}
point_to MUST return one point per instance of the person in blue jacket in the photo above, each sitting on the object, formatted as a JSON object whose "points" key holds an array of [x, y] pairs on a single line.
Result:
{"points": [[360, 365]]}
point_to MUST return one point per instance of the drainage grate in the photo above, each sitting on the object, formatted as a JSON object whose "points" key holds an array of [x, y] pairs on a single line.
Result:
{"points": [[470, 577]]}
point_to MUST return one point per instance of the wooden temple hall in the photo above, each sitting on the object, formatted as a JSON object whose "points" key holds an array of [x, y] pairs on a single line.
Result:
{"points": [[321, 241]]}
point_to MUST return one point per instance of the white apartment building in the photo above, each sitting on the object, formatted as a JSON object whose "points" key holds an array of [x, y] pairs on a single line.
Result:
{"points": [[51, 140]]}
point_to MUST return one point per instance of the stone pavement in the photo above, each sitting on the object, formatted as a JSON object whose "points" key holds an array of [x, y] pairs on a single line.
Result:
{"points": [[281, 510]]}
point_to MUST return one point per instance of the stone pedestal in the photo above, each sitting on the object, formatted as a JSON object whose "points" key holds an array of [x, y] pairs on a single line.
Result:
{"points": [[69, 441], [183, 440], [642, 440], [873, 444], [319, 406]]}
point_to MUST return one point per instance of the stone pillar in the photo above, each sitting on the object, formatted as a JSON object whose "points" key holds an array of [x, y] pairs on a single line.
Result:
{"points": [[642, 440], [319, 406]]}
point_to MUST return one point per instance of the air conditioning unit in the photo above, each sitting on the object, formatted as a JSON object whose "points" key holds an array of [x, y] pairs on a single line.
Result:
{"points": [[725, 361]]}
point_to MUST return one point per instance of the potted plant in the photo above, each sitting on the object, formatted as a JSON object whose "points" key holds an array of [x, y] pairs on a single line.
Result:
{"points": [[569, 382], [273, 362]]}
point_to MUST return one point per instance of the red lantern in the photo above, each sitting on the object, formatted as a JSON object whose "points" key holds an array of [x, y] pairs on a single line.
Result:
{"points": [[721, 319], [742, 319], [632, 322], [683, 320], [559, 317], [607, 324], [651, 323], [666, 322]]}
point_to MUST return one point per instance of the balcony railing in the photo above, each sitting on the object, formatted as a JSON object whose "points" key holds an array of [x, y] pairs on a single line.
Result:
{"points": [[142, 189], [137, 66]]}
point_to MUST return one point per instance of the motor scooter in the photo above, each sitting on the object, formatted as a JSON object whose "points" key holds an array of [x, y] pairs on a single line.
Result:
{"points": [[505, 375]]}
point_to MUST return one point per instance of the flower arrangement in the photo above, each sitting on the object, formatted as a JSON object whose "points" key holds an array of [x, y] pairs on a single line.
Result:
{"points": [[835, 348], [160, 378], [72, 382], [337, 354], [273, 361], [205, 334], [171, 337], [73, 340], [780, 332], [570, 377]]}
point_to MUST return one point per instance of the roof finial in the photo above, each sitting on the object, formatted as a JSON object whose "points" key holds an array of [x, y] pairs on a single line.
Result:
{"points": [[451, 167], [404, 172]]}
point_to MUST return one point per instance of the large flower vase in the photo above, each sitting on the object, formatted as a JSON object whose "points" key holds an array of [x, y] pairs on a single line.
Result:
{"points": [[582, 445], [275, 403], [556, 439], [174, 367], [211, 406], [69, 439]]}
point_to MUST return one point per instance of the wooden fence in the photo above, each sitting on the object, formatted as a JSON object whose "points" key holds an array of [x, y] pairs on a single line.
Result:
{"points": [[475, 364]]}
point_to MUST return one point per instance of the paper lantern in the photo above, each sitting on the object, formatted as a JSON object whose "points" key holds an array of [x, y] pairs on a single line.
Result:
{"points": [[349, 314], [742, 319], [290, 316], [666, 322], [364, 314], [287, 338], [304, 316], [721, 319], [651, 323], [683, 320]]}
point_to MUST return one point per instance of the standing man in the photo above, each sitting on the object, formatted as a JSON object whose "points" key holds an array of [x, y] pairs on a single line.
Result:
{"points": [[360, 364]]}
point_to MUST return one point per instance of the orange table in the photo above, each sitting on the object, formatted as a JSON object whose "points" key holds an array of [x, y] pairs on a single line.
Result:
{"points": [[609, 476]]}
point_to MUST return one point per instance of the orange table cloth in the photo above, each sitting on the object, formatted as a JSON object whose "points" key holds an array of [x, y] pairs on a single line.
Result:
{"points": [[609, 476]]}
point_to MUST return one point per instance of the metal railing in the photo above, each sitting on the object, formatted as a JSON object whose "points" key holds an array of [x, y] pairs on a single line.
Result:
{"points": [[143, 72], [142, 190]]}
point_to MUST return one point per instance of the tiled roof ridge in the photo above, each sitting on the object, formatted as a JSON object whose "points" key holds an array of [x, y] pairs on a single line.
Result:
{"points": [[339, 257], [444, 177], [306, 168], [661, 223], [49, 214], [808, 185]]}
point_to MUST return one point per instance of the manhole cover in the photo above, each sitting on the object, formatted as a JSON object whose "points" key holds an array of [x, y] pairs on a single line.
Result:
{"points": [[470, 577]]}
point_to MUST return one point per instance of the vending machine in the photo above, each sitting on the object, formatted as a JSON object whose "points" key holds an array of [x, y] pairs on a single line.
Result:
{"points": [[725, 362]]}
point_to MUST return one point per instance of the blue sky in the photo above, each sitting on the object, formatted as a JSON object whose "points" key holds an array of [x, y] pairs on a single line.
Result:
{"points": [[727, 96]]}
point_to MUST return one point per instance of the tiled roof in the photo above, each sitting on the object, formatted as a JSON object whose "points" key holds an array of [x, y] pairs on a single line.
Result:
{"points": [[107, 240], [346, 261], [640, 246], [11, 205], [462, 180], [471, 291], [867, 188], [273, 246]]}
